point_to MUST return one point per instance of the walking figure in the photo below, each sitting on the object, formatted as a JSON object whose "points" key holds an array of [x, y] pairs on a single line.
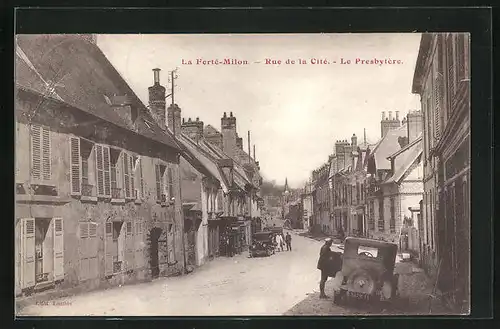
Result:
{"points": [[288, 240]]}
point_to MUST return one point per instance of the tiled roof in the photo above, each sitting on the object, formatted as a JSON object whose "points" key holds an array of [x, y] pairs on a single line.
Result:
{"points": [[82, 75], [203, 159], [387, 146], [405, 159]]}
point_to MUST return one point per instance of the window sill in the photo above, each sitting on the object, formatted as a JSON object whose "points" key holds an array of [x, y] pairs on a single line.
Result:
{"points": [[138, 201], [90, 199], [117, 201], [48, 199]]}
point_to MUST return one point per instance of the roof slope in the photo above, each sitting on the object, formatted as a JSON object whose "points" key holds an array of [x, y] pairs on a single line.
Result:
{"points": [[386, 146], [404, 160], [82, 75], [203, 159]]}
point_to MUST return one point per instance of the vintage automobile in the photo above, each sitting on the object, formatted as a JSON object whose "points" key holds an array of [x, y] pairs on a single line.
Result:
{"points": [[262, 244], [367, 271], [274, 229]]}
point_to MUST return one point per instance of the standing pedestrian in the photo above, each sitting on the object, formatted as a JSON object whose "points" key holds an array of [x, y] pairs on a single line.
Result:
{"points": [[279, 241], [288, 240], [324, 256]]}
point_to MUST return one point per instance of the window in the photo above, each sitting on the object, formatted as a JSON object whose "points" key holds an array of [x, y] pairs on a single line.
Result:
{"points": [[160, 193], [371, 217], [381, 223], [392, 224], [40, 153], [85, 154], [139, 179], [115, 174]]}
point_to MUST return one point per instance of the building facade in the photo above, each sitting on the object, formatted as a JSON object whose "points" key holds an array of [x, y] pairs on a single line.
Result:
{"points": [[97, 180], [442, 79], [321, 200]]}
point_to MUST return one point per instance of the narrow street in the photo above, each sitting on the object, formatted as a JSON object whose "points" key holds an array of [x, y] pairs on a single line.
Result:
{"points": [[226, 286]]}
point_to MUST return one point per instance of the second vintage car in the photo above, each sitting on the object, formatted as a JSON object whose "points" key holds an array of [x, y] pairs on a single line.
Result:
{"points": [[262, 244]]}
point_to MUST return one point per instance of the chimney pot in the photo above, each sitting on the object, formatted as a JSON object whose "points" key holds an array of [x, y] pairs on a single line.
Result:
{"points": [[383, 115], [397, 115], [156, 73], [225, 115], [189, 120], [183, 120], [231, 114], [390, 115], [197, 119]]}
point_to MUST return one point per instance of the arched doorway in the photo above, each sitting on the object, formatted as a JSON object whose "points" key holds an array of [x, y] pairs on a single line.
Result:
{"points": [[154, 261]]}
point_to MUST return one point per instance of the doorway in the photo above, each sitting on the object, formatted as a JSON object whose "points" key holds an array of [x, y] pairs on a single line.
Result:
{"points": [[361, 229], [154, 262]]}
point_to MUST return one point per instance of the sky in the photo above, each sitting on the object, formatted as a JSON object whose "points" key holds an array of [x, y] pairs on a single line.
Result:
{"points": [[295, 112]]}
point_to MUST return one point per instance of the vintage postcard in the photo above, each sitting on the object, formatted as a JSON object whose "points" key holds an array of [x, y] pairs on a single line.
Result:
{"points": [[242, 174]]}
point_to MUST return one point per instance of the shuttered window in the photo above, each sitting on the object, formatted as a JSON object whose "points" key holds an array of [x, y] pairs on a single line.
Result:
{"points": [[88, 247], [126, 175], [40, 152]]}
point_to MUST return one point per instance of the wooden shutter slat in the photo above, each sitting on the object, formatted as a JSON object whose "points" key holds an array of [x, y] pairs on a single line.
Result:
{"points": [[58, 249], [132, 163], [36, 161], [75, 159]]}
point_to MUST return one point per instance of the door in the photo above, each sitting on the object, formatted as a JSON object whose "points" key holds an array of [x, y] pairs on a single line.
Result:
{"points": [[154, 259]]}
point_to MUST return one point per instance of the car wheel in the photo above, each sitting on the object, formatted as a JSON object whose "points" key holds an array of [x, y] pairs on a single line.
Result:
{"points": [[361, 281]]}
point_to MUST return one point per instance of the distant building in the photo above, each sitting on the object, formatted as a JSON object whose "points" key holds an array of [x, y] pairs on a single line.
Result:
{"points": [[321, 199]]}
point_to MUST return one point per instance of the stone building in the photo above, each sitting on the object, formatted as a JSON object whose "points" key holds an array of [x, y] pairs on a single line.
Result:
{"points": [[307, 206], [97, 180], [442, 79], [321, 200], [395, 181]]}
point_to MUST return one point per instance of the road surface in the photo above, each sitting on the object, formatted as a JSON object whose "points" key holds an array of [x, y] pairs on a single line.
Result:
{"points": [[225, 286]]}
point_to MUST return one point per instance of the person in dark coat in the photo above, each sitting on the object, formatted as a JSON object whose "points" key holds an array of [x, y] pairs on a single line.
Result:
{"points": [[288, 241], [323, 263]]}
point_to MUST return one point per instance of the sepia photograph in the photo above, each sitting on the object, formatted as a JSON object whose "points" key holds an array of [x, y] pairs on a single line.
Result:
{"points": [[320, 174]]}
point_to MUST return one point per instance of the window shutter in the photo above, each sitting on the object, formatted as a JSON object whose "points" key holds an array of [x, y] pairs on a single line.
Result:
{"points": [[170, 179], [28, 269], [132, 162], [126, 175], [75, 165], [106, 171], [108, 241], [437, 105], [84, 230], [141, 177], [158, 181], [129, 248], [58, 249], [100, 170], [46, 163], [36, 162]]}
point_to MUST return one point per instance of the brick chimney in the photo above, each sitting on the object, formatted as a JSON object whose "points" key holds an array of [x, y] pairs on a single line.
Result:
{"points": [[354, 141], [157, 99], [174, 119], [228, 129], [389, 123], [193, 129], [414, 125]]}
